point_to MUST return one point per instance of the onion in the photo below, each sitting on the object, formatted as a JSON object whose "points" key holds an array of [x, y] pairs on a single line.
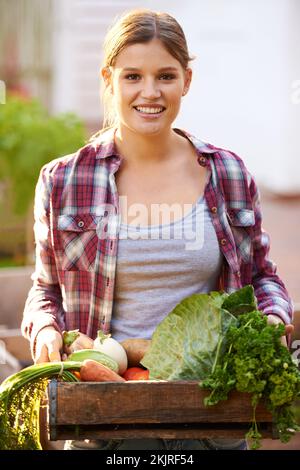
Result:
{"points": [[111, 347]]}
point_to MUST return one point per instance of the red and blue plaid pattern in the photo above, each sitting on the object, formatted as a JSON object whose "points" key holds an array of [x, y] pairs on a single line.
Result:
{"points": [[76, 232]]}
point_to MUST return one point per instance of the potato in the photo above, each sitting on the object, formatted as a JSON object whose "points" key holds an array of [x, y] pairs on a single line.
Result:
{"points": [[135, 349]]}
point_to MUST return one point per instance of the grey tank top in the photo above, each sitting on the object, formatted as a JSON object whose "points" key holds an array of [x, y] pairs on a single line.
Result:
{"points": [[160, 265]]}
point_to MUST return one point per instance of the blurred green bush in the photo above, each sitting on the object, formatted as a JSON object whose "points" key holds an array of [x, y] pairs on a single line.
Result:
{"points": [[30, 137]]}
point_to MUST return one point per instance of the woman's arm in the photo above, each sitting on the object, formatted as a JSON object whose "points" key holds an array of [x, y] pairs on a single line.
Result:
{"points": [[43, 307], [272, 296]]}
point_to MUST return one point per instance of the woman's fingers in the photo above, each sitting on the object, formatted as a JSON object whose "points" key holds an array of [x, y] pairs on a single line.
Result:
{"points": [[48, 345], [289, 329], [274, 320], [48, 353], [41, 354], [283, 341], [53, 352]]}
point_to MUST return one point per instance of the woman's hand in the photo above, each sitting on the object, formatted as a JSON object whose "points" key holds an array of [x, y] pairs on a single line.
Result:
{"points": [[274, 320], [48, 345]]}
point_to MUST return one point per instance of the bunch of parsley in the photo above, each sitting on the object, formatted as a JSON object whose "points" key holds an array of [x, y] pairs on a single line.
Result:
{"points": [[254, 361]]}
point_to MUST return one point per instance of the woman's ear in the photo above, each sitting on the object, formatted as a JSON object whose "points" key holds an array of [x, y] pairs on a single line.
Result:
{"points": [[107, 76], [187, 80]]}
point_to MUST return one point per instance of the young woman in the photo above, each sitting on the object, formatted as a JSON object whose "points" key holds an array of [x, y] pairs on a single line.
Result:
{"points": [[103, 259]]}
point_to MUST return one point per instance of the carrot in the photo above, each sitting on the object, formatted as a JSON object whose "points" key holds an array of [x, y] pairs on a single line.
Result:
{"points": [[77, 374], [93, 371]]}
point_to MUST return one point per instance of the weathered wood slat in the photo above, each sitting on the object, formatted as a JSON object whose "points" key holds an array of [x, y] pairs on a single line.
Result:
{"points": [[148, 402], [151, 409], [149, 431]]}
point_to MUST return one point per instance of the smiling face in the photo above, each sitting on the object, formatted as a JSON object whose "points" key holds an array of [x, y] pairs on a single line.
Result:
{"points": [[147, 84]]}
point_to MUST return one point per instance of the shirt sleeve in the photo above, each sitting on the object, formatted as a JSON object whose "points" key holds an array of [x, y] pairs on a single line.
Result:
{"points": [[270, 291], [43, 306]]}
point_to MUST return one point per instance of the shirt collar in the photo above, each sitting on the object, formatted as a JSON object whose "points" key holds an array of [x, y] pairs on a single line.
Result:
{"points": [[201, 146], [105, 145]]}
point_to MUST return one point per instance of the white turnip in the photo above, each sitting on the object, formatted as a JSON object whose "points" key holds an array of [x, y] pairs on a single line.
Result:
{"points": [[111, 347]]}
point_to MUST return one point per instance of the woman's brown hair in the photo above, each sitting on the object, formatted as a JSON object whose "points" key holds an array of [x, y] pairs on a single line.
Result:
{"points": [[141, 26]]}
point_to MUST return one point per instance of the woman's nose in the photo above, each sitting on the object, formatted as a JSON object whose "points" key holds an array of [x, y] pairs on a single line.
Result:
{"points": [[150, 90]]}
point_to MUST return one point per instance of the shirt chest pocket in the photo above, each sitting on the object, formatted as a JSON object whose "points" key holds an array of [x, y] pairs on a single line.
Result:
{"points": [[241, 223], [78, 241]]}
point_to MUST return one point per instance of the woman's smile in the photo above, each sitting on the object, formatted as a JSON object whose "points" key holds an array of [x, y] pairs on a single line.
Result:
{"points": [[149, 111]]}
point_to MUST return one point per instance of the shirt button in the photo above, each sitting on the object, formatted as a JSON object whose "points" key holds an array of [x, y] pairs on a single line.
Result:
{"points": [[223, 241], [214, 210], [80, 224], [202, 160], [238, 274]]}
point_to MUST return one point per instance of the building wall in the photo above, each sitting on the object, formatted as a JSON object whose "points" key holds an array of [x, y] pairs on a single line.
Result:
{"points": [[78, 33], [242, 96], [247, 62], [25, 47]]}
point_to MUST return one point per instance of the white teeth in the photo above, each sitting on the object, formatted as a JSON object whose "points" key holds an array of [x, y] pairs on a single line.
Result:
{"points": [[149, 110]]}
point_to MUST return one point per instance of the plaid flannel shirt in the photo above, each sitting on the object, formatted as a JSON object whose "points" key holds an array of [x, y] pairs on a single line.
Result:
{"points": [[76, 232]]}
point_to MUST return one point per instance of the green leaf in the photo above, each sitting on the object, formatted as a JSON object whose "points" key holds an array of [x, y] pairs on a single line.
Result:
{"points": [[186, 343], [241, 301]]}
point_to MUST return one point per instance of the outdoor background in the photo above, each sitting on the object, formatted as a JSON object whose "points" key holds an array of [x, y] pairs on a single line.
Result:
{"points": [[245, 97]]}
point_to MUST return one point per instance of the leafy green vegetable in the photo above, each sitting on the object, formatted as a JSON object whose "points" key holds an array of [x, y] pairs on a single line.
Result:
{"points": [[20, 396], [256, 362], [241, 301], [185, 344], [224, 341]]}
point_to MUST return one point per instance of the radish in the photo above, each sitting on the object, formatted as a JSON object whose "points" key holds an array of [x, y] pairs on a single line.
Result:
{"points": [[74, 340], [111, 347]]}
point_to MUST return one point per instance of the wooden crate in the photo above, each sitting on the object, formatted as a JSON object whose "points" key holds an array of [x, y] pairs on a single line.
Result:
{"points": [[147, 409]]}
